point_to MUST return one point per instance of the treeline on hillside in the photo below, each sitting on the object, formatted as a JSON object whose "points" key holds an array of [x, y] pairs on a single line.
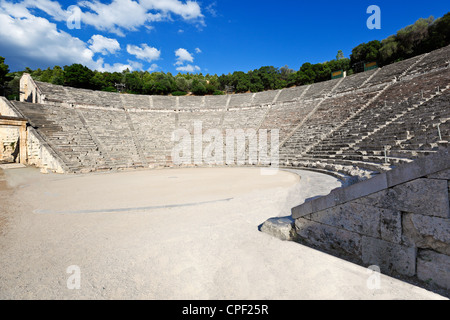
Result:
{"points": [[423, 36]]}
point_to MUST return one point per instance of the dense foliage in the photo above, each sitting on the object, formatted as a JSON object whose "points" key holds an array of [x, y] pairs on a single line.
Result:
{"points": [[4, 70], [423, 36]]}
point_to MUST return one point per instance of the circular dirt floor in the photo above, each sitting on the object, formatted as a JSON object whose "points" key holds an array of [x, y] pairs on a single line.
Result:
{"points": [[168, 234]]}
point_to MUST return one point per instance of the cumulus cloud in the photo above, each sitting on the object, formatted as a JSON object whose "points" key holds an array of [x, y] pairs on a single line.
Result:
{"points": [[188, 11], [188, 68], [30, 41], [118, 15], [35, 38], [129, 15], [182, 56], [153, 67], [118, 67], [144, 52], [52, 8], [103, 45], [29, 38]]}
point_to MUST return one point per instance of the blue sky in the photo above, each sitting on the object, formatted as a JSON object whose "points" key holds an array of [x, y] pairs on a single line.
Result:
{"points": [[208, 36]]}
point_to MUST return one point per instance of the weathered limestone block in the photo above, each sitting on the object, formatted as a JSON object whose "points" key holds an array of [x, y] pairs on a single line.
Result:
{"points": [[282, 228], [352, 217], [434, 267], [422, 196], [391, 225], [329, 238], [427, 232], [390, 257]]}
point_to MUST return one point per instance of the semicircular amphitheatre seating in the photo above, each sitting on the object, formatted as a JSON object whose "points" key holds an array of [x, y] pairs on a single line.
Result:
{"points": [[359, 125]]}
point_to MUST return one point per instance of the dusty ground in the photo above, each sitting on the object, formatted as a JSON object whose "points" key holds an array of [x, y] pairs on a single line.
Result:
{"points": [[169, 234]]}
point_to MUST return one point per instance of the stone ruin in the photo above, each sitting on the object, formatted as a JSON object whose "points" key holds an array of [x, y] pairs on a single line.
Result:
{"points": [[384, 132]]}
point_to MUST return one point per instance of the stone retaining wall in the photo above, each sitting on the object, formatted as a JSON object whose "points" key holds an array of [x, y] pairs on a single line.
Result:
{"points": [[39, 153], [398, 220]]}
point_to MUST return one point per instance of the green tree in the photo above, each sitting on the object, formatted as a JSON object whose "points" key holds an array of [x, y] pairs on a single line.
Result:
{"points": [[57, 76], [78, 76], [182, 84], [389, 52], [198, 88], [438, 35], [240, 81], [4, 70], [46, 75], [365, 52], [410, 37]]}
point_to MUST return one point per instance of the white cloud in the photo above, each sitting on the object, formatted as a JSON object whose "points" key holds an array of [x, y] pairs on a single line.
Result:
{"points": [[118, 15], [197, 50], [27, 40], [37, 39], [52, 8], [30, 40], [183, 55], [153, 67], [188, 68], [129, 15], [99, 43], [188, 11], [119, 67], [144, 53]]}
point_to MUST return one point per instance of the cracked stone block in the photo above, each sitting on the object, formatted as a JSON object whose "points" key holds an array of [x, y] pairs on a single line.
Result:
{"points": [[427, 232]]}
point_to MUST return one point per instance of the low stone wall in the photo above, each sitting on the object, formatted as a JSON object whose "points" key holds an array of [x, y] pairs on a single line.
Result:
{"points": [[398, 220]]}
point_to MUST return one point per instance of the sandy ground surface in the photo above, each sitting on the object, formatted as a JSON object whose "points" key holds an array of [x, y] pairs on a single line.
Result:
{"points": [[168, 234]]}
